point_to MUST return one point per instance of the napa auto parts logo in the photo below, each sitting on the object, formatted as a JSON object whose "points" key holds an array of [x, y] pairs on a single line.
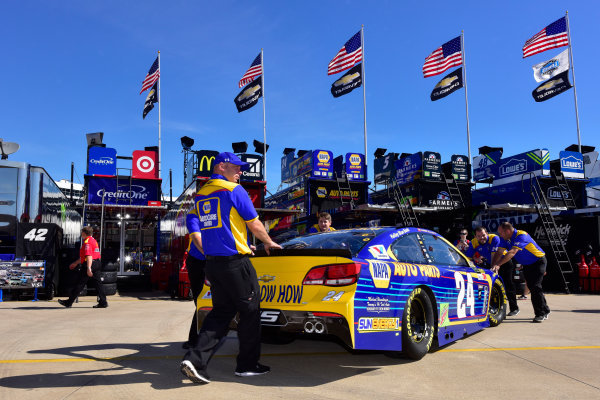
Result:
{"points": [[380, 273]]}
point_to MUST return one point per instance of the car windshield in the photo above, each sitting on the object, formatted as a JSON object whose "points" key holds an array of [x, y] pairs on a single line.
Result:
{"points": [[351, 239]]}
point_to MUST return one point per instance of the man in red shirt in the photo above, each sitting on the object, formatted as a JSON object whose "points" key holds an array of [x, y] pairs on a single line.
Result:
{"points": [[89, 258]]}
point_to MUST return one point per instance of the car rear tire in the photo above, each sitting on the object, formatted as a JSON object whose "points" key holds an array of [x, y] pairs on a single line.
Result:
{"points": [[497, 311], [108, 277], [417, 325], [110, 266]]}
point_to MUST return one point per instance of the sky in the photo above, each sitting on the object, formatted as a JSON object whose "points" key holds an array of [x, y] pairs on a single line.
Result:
{"points": [[75, 67]]}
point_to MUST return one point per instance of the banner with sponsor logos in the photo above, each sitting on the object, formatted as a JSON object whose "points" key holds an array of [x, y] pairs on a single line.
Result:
{"points": [[511, 169], [144, 165], [384, 166], [327, 195], [571, 164], [322, 164], [451, 83], [409, 168], [485, 166], [137, 192], [461, 169], [286, 172], [553, 87], [348, 82], [205, 159], [255, 172], [249, 95], [355, 167], [22, 274], [102, 161], [432, 166]]}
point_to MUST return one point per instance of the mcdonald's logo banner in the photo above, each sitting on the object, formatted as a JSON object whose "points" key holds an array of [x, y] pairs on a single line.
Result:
{"points": [[205, 160]]}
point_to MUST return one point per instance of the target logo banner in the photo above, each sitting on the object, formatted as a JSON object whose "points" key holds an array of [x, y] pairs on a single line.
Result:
{"points": [[144, 165]]}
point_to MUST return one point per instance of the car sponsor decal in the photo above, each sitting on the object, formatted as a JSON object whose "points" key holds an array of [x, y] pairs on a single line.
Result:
{"points": [[403, 269], [378, 251], [379, 324], [444, 313], [377, 304], [284, 293], [207, 295], [380, 273]]}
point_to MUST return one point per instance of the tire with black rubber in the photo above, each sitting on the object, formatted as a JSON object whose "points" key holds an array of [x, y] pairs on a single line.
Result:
{"points": [[110, 266], [110, 289], [108, 277], [50, 291], [497, 311], [418, 325]]}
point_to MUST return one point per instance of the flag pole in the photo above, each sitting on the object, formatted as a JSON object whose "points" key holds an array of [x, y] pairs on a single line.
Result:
{"points": [[362, 43], [159, 102], [262, 61], [574, 87], [462, 48]]}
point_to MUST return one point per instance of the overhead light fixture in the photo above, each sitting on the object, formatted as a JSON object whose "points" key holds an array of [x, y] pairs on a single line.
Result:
{"points": [[239, 147], [260, 148], [379, 152], [302, 152], [288, 150], [187, 142]]}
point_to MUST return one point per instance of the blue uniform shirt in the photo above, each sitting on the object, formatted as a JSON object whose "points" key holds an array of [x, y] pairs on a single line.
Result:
{"points": [[193, 226], [224, 208], [529, 251], [315, 228], [484, 249]]}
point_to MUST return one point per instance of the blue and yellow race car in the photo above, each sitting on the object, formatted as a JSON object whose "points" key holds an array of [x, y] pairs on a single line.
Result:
{"points": [[375, 289]]}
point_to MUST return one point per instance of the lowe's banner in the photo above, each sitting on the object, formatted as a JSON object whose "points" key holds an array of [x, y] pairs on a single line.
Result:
{"points": [[409, 168], [571, 164], [102, 161], [485, 166], [139, 193], [355, 167], [322, 164], [511, 169]]}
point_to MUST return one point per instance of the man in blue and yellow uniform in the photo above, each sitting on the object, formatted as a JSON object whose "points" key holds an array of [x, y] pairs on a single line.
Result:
{"points": [[195, 264], [487, 245], [520, 246], [226, 212]]}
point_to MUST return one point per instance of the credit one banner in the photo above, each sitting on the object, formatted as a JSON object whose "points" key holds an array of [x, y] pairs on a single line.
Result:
{"points": [[355, 167], [571, 164], [102, 161], [139, 193], [409, 168]]}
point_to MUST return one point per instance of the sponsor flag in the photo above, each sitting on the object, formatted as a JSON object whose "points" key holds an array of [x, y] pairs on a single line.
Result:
{"points": [[443, 58], [254, 71], [151, 77], [552, 36], [553, 87], [451, 83], [150, 100], [348, 82], [249, 96], [549, 69], [349, 54]]}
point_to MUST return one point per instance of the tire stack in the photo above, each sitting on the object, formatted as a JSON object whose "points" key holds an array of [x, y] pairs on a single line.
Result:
{"points": [[108, 275]]}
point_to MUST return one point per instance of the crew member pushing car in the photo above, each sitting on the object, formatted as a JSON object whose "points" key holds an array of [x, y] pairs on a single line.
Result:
{"points": [[226, 212]]}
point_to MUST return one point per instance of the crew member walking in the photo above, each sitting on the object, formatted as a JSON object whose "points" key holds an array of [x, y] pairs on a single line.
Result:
{"points": [[528, 253], [225, 213], [89, 258], [486, 245]]}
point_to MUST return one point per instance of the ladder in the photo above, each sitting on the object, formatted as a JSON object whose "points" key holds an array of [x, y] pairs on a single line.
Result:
{"points": [[549, 225], [453, 191], [407, 212], [343, 184], [565, 191]]}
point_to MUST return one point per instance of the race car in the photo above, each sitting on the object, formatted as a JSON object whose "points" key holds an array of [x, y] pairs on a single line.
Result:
{"points": [[377, 288]]}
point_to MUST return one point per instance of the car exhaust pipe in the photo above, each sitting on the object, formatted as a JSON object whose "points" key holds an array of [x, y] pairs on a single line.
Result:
{"points": [[319, 327], [309, 327]]}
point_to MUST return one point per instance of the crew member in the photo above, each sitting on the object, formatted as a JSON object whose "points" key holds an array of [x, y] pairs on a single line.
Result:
{"points": [[527, 252], [195, 264], [324, 224], [486, 246], [225, 213], [89, 258]]}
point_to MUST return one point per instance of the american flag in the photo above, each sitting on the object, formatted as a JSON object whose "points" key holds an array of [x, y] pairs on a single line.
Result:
{"points": [[151, 77], [553, 36], [254, 71], [443, 58], [349, 55]]}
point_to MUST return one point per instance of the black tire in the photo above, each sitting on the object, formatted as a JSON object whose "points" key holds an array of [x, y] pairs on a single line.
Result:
{"points": [[497, 311], [108, 277], [50, 291], [110, 266], [110, 289], [417, 325]]}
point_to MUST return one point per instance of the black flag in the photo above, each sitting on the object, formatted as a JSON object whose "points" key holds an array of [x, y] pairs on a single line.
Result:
{"points": [[451, 83], [552, 87], [348, 82], [249, 96], [150, 100]]}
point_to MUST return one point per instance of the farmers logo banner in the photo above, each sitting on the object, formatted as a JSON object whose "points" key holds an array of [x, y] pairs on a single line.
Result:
{"points": [[409, 168], [461, 170], [451, 83], [347, 83], [432, 165], [553, 87], [249, 96]]}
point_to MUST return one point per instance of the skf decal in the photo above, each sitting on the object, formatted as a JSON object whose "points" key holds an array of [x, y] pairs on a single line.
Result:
{"points": [[285, 293], [379, 252], [380, 272], [403, 269], [444, 312], [379, 324]]}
